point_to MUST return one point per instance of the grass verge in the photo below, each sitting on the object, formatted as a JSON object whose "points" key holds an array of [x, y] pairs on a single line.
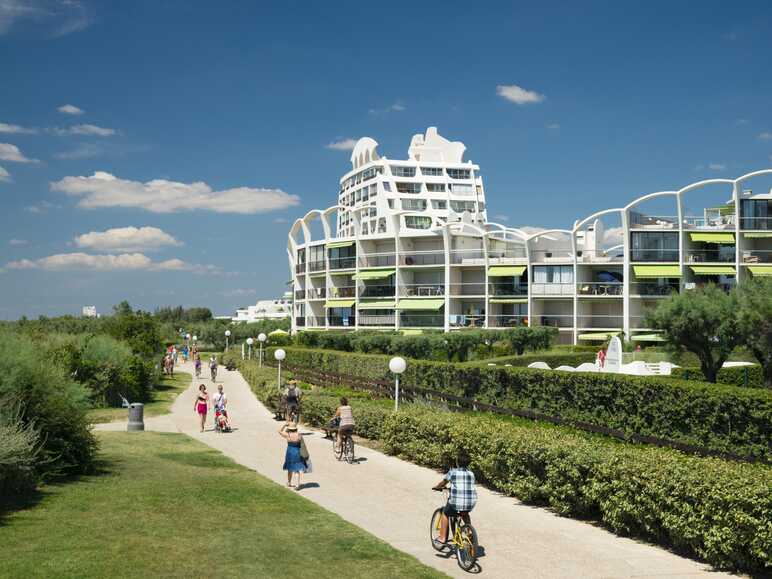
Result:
{"points": [[165, 505], [164, 394]]}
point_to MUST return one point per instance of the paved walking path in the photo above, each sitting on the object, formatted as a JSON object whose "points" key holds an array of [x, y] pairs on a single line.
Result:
{"points": [[392, 499]]}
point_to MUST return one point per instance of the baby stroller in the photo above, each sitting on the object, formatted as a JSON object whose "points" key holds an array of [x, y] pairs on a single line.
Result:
{"points": [[221, 421]]}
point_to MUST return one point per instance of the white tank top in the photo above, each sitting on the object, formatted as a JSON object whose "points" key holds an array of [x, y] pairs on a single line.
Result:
{"points": [[346, 416]]}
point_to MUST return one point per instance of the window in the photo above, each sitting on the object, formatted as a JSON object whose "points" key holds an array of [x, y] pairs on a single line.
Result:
{"points": [[373, 190], [461, 206], [435, 187], [459, 173], [432, 171], [301, 255], [413, 204], [563, 274], [755, 214], [409, 187], [480, 206], [654, 246], [382, 225], [402, 171], [439, 204], [358, 196], [462, 189], [368, 174], [387, 186], [365, 194], [417, 222], [364, 229], [391, 203], [317, 253]]}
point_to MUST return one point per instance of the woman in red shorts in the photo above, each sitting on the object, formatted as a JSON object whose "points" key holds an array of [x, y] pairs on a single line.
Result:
{"points": [[201, 405]]}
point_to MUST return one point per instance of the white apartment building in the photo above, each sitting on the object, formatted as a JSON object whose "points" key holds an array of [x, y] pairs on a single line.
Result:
{"points": [[409, 246], [275, 309], [89, 312]]}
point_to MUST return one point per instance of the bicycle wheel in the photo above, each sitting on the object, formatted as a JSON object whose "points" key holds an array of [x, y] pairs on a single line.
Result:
{"points": [[466, 554], [337, 450], [349, 449], [434, 530]]}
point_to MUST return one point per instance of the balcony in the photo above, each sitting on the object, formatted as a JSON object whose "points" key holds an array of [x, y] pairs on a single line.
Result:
{"points": [[552, 289], [300, 268], [377, 291], [654, 255], [316, 293], [422, 258], [466, 321], [554, 320], [342, 262], [655, 222], [315, 322], [300, 294], [507, 321], [341, 321], [317, 266], [552, 256], [467, 289], [467, 257], [650, 289], [711, 222], [594, 288], [599, 257], [507, 290], [420, 290], [371, 320], [509, 257], [342, 292], [757, 256], [756, 223], [300, 322], [711, 255], [422, 321], [377, 260], [612, 321]]}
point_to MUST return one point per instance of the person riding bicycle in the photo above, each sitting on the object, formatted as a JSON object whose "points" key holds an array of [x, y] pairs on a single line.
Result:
{"points": [[292, 398], [213, 366], [220, 403], [344, 418], [463, 495], [198, 365]]}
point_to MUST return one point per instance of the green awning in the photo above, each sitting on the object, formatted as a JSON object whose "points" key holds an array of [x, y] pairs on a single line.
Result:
{"points": [[509, 300], [712, 236], [374, 273], [651, 271], [757, 235], [377, 305], [647, 338], [338, 244], [412, 332], [420, 304], [339, 303], [713, 269], [318, 274], [597, 336], [505, 270], [761, 270]]}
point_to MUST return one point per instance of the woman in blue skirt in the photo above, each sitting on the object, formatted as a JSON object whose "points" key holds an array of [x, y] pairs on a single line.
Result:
{"points": [[293, 462]]}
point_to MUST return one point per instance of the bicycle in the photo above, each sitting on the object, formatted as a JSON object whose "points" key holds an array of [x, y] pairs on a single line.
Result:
{"points": [[344, 451], [462, 537], [198, 372], [213, 371]]}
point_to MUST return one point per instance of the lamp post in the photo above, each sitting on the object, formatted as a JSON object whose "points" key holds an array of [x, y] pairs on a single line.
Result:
{"points": [[279, 355], [227, 336], [250, 341], [262, 338], [397, 365], [195, 339]]}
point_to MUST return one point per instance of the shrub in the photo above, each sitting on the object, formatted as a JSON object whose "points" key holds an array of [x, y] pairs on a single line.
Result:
{"points": [[714, 417], [18, 453], [742, 376]]}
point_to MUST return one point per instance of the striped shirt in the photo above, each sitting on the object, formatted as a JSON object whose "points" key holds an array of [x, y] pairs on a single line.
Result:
{"points": [[346, 416], [463, 495]]}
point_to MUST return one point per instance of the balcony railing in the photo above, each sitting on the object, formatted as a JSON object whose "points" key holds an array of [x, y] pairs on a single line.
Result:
{"points": [[421, 321], [467, 289], [638, 221], [467, 257], [593, 288], [717, 222], [315, 322], [300, 322], [376, 320], [300, 294], [552, 256], [377, 291], [552, 289], [342, 292], [584, 256], [342, 321], [554, 320], [317, 265], [666, 255], [422, 290], [466, 321], [377, 259], [599, 321], [422, 258], [342, 262], [757, 256], [756, 223], [300, 268], [507, 290], [505, 321], [316, 293], [710, 256], [506, 257], [650, 289]]}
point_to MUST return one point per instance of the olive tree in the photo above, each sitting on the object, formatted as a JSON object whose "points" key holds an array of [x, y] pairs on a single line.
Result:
{"points": [[754, 320]]}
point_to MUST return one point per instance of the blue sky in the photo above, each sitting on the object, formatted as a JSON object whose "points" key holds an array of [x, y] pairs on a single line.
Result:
{"points": [[207, 125]]}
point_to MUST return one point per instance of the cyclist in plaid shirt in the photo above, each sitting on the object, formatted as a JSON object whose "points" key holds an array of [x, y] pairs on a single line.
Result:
{"points": [[463, 495]]}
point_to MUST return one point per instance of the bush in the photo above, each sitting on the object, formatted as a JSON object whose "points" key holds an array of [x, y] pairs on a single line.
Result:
{"points": [[742, 376], [18, 453], [713, 417]]}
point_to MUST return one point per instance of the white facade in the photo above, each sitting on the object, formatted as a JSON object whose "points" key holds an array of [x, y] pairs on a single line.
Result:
{"points": [[89, 312], [265, 310], [394, 253]]}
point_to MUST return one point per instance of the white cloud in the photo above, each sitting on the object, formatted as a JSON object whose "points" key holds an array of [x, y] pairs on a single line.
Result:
{"points": [[17, 242], [553, 126], [281, 220], [163, 196], [5, 176], [518, 95], [341, 145], [397, 107], [82, 151], [765, 136], [613, 236], [741, 122], [70, 110], [60, 17], [85, 129], [531, 229], [126, 239], [239, 292], [41, 207], [12, 10], [501, 217], [9, 152], [16, 129], [716, 167], [121, 262]]}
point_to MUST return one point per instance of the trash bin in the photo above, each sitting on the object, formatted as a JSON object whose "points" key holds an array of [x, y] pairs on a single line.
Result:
{"points": [[136, 416]]}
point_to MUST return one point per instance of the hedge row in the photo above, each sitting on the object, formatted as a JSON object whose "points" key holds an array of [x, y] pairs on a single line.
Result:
{"points": [[551, 357], [742, 376], [714, 509], [714, 417]]}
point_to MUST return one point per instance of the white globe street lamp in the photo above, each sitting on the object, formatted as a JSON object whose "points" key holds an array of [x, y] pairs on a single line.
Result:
{"points": [[397, 365], [227, 336], [187, 336], [261, 338], [279, 355], [195, 338], [250, 341]]}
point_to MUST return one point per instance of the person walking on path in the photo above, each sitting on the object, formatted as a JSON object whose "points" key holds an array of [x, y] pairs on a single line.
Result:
{"points": [[201, 405], [293, 460], [344, 417]]}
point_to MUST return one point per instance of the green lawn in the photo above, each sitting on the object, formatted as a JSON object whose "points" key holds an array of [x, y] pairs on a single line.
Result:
{"points": [[164, 394], [168, 506]]}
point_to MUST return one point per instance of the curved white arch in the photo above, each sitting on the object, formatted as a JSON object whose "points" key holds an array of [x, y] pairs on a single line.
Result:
{"points": [[647, 197], [753, 174], [698, 184], [594, 215]]}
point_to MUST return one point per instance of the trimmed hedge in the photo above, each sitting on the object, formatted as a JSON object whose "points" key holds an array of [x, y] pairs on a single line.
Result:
{"points": [[742, 376], [715, 417], [554, 359], [713, 509]]}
